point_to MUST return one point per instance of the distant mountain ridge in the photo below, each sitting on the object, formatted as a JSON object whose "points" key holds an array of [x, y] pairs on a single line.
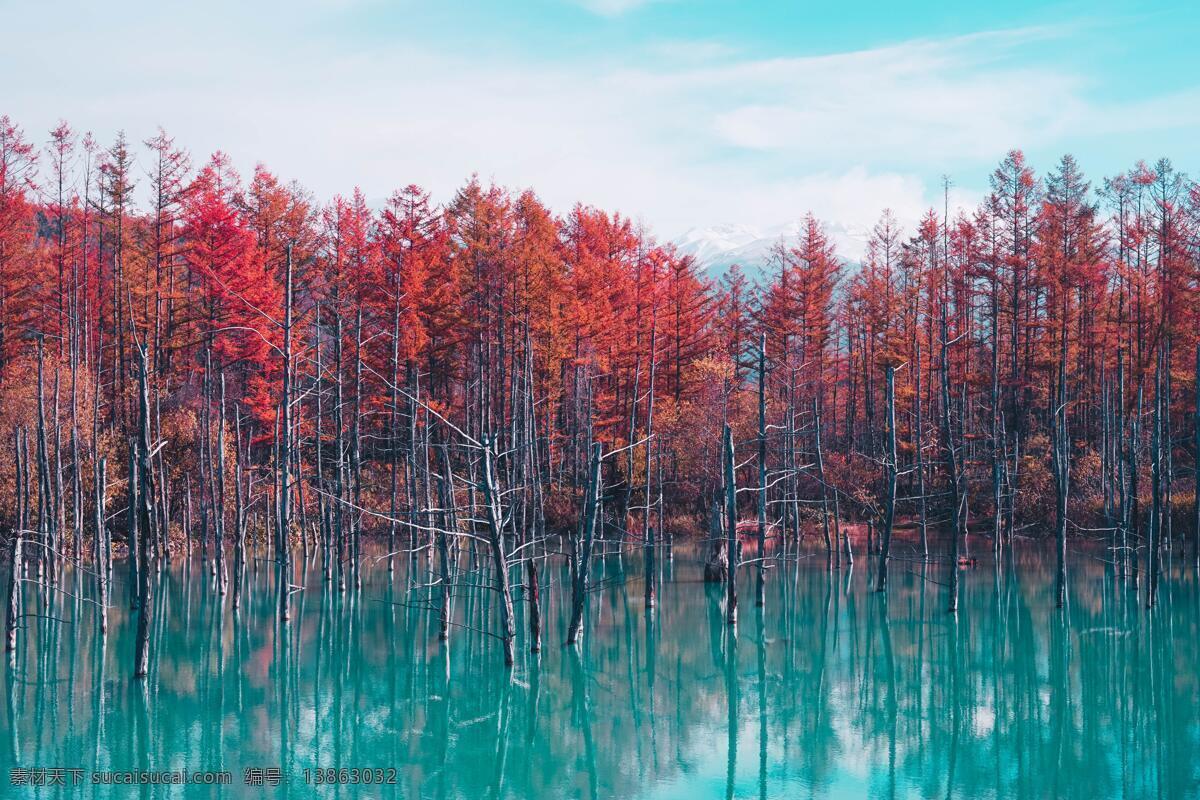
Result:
{"points": [[716, 247]]}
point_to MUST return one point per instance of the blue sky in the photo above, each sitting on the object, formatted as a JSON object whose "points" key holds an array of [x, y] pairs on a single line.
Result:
{"points": [[676, 112]]}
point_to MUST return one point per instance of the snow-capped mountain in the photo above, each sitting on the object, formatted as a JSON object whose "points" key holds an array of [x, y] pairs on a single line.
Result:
{"points": [[711, 244], [716, 247]]}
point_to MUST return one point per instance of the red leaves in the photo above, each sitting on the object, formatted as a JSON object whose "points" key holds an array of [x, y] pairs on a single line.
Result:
{"points": [[797, 306], [415, 290], [17, 231], [238, 299]]}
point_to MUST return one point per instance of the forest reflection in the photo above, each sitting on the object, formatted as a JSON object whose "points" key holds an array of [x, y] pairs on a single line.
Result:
{"points": [[831, 690]]}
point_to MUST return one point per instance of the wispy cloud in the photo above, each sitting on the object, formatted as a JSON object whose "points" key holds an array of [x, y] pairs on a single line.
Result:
{"points": [[613, 8], [692, 135], [691, 51], [962, 97]]}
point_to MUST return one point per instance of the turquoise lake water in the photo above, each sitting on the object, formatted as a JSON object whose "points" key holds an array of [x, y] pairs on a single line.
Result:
{"points": [[830, 691]]}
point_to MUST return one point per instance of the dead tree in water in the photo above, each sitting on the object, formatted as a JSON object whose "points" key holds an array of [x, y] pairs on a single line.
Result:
{"points": [[1060, 445], [240, 498], [831, 544], [355, 485], [495, 533], [131, 535], [1135, 506], [1153, 556], [323, 513], [47, 540], [760, 595], [283, 504], [1122, 511], [219, 495], [998, 444], [533, 517], [449, 524], [919, 448], [581, 548], [950, 453], [13, 611], [20, 499], [394, 426], [146, 518], [649, 533], [204, 456], [1196, 506], [733, 545], [100, 540], [716, 567], [1166, 484], [889, 509], [341, 471]]}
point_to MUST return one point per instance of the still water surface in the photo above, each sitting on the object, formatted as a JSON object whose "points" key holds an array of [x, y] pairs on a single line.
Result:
{"points": [[831, 691]]}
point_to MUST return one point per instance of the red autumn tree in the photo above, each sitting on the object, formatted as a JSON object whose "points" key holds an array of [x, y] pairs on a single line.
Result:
{"points": [[735, 320], [237, 299], [17, 231]]}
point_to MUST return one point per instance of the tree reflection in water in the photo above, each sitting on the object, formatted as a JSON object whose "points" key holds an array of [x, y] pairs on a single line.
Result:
{"points": [[832, 690]]}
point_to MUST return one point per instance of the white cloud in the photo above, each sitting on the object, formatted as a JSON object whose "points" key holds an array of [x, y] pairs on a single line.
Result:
{"points": [[706, 135], [963, 97]]}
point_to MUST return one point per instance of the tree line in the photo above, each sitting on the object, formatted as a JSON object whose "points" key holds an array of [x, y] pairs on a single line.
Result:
{"points": [[190, 361]]}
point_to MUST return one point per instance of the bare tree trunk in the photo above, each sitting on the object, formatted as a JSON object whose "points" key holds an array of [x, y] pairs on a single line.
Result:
{"points": [[830, 544], [1153, 556], [339, 422], [240, 500], [889, 510], [187, 514], [649, 531], [356, 457], [1122, 500], [132, 540], [282, 539], [760, 594], [20, 501], [919, 447], [952, 471], [1196, 504], [394, 429], [1135, 504], [583, 546], [145, 473], [164, 493], [13, 611], [449, 523], [998, 445], [1166, 537], [535, 528], [99, 554], [495, 523], [205, 457], [1061, 451], [733, 544], [219, 489], [318, 436], [47, 515], [57, 497]]}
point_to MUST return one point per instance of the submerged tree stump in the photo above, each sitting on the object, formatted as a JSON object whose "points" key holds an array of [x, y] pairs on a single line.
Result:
{"points": [[716, 568]]}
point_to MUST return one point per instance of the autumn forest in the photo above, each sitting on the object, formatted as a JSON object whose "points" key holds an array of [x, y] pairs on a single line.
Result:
{"points": [[196, 362]]}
